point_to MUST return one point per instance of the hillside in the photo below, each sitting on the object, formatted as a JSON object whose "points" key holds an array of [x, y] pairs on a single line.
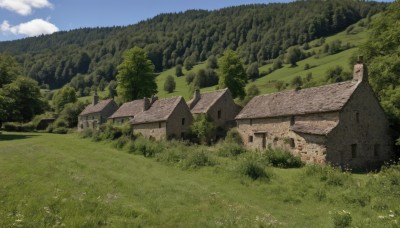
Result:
{"points": [[257, 32]]}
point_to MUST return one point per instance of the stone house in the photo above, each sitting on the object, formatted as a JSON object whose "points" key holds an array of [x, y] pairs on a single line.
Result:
{"points": [[96, 113], [127, 111], [341, 123], [166, 118], [219, 106]]}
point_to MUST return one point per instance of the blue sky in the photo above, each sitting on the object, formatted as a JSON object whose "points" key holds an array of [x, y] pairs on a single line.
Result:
{"points": [[23, 18]]}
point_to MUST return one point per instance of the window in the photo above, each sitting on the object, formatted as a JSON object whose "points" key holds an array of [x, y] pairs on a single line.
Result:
{"points": [[251, 122], [376, 150], [219, 114], [250, 138], [292, 144], [353, 150], [292, 121], [183, 121], [159, 125], [358, 117]]}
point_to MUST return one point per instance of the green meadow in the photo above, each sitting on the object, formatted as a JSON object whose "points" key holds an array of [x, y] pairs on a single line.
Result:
{"points": [[50, 180]]}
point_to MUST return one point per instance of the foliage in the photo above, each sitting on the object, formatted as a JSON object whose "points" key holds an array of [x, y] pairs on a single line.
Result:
{"points": [[198, 159], [18, 127], [212, 62], [336, 74], [112, 89], [202, 127], [204, 78], [293, 55], [283, 159], [229, 148], [252, 71], [253, 169], [9, 69], [381, 53], [190, 77], [169, 84], [231, 74], [64, 96], [297, 81], [178, 70], [251, 92], [135, 77], [60, 130], [233, 136], [341, 219], [20, 100], [70, 113]]}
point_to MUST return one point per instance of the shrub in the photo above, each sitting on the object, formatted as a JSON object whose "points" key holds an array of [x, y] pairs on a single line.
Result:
{"points": [[121, 142], [60, 130], [233, 136], [198, 159], [330, 175], [172, 156], [86, 133], [283, 159], [251, 168], [11, 126], [341, 219], [169, 84], [227, 149], [145, 147]]}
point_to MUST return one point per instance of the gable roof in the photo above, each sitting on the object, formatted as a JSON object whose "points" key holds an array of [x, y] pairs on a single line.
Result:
{"points": [[96, 108], [129, 109], [207, 100], [160, 110], [297, 102]]}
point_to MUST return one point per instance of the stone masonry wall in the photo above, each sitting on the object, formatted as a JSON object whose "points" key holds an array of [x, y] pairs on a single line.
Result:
{"points": [[156, 130], [176, 127]]}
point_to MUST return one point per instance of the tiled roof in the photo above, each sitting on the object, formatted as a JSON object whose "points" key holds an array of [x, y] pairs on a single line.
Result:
{"points": [[206, 101], [160, 110], [297, 102], [129, 109], [314, 128], [96, 108]]}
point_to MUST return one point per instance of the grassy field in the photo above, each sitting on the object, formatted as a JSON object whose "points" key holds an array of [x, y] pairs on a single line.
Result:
{"points": [[62, 180]]}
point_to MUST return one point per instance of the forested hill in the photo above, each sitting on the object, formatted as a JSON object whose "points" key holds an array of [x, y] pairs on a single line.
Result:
{"points": [[256, 32]]}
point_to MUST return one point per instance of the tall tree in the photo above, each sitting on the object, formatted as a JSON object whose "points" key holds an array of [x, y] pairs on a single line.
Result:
{"points": [[9, 69], [231, 74], [169, 84], [135, 76], [64, 96]]}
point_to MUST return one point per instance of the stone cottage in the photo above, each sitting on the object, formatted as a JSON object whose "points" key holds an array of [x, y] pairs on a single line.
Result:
{"points": [[341, 123], [165, 118], [127, 111], [218, 105], [96, 113]]}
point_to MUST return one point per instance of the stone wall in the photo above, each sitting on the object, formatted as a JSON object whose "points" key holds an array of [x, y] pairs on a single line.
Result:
{"points": [[120, 120], [362, 139], [91, 121], [156, 130], [227, 109], [179, 122]]}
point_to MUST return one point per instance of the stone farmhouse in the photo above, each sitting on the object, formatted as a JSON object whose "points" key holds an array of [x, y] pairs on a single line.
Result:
{"points": [[341, 123], [218, 105], [127, 111], [96, 113], [166, 118]]}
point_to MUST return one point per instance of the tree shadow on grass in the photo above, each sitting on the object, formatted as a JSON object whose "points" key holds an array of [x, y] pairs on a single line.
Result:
{"points": [[11, 136]]}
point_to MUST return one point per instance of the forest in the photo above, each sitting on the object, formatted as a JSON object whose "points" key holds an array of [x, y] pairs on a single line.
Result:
{"points": [[258, 33]]}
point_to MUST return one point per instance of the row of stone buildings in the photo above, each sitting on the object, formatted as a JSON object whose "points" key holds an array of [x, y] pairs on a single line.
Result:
{"points": [[341, 123]]}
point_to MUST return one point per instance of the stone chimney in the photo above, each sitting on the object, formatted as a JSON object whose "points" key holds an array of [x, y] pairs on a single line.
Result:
{"points": [[360, 72], [195, 99], [153, 99], [146, 104], [95, 99]]}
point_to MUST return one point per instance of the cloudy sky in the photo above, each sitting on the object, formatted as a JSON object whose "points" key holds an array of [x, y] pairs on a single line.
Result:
{"points": [[25, 18]]}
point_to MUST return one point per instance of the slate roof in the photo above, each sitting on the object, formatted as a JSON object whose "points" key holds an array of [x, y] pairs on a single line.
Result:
{"points": [[297, 102], [207, 100], [160, 110], [129, 109], [314, 128], [96, 108]]}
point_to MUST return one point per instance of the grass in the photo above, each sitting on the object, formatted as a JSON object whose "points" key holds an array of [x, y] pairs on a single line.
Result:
{"points": [[54, 180]]}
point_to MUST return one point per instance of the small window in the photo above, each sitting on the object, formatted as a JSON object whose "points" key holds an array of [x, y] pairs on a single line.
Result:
{"points": [[292, 121], [251, 122], [376, 150], [219, 114], [183, 121], [159, 125], [358, 117], [250, 138], [353, 150], [292, 144]]}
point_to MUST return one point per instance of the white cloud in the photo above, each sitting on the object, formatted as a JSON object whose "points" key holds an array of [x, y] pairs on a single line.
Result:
{"points": [[31, 28], [24, 7]]}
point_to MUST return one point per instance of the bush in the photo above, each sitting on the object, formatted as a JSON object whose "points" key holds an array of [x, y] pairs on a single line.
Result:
{"points": [[87, 133], [145, 147], [330, 175], [227, 149], [198, 159], [341, 219], [60, 130], [11, 126], [283, 159], [169, 84], [251, 168], [233, 136], [172, 156], [121, 142]]}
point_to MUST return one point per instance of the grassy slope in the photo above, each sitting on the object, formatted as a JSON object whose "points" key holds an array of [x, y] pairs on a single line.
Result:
{"points": [[60, 179]]}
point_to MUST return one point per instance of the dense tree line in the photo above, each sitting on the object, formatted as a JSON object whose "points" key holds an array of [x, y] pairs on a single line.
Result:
{"points": [[256, 32]]}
